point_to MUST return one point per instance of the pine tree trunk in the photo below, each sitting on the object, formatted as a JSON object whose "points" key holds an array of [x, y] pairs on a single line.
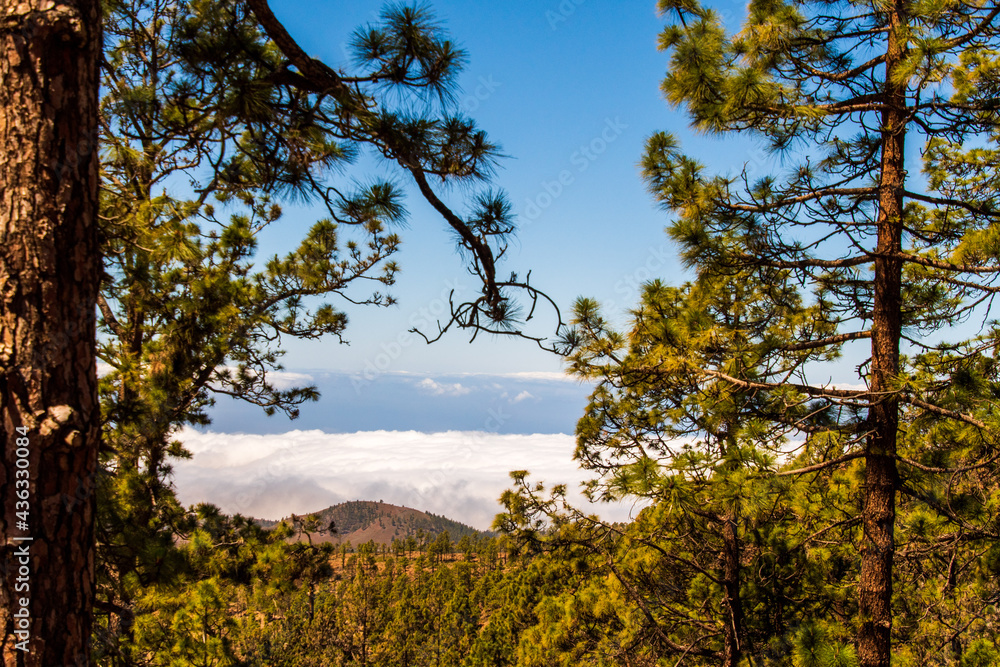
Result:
{"points": [[879, 514], [49, 268], [734, 634]]}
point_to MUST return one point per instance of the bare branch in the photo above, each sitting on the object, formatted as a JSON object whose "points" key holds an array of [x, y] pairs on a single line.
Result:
{"points": [[944, 412], [832, 340], [821, 466]]}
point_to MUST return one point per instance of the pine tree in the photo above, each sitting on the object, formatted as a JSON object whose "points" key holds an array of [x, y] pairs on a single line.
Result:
{"points": [[185, 314], [874, 255], [699, 451], [206, 131]]}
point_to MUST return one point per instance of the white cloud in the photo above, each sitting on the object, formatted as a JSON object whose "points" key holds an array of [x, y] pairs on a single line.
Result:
{"points": [[524, 395], [848, 386], [280, 380], [548, 376], [283, 380], [443, 388], [459, 474]]}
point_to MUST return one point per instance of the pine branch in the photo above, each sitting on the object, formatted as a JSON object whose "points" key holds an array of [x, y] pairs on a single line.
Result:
{"points": [[476, 245], [960, 203], [691, 649], [844, 263], [816, 392], [109, 317], [316, 76], [820, 193], [821, 466], [944, 412], [948, 471], [837, 77], [972, 34], [832, 340]]}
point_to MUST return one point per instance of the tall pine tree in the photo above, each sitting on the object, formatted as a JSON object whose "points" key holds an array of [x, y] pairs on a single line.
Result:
{"points": [[839, 91]]}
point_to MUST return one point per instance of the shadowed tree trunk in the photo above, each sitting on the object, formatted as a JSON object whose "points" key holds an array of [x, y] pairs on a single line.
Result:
{"points": [[49, 268], [735, 632]]}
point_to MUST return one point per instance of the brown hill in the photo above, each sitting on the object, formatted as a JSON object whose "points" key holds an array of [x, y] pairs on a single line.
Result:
{"points": [[360, 521]]}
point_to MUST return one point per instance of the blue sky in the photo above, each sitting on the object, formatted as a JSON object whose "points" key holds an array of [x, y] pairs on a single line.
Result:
{"points": [[570, 90], [522, 403]]}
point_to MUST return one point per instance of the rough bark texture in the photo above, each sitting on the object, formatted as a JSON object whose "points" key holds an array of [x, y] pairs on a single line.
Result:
{"points": [[49, 268], [879, 514], [735, 635]]}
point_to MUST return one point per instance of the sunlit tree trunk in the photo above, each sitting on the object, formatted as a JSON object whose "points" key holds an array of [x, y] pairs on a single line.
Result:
{"points": [[879, 516]]}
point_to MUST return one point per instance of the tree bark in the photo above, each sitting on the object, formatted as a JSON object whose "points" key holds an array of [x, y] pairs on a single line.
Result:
{"points": [[734, 634], [49, 270], [880, 482]]}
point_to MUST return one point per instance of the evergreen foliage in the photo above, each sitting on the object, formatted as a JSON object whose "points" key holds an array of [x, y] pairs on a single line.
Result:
{"points": [[788, 517], [784, 520], [206, 130]]}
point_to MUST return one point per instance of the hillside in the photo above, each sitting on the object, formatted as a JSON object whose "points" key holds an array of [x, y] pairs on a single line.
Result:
{"points": [[359, 521]]}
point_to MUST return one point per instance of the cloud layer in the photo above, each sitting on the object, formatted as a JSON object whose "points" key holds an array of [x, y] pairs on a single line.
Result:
{"points": [[459, 474]]}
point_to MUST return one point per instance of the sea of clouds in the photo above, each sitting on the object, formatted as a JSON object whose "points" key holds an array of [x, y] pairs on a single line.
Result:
{"points": [[458, 474]]}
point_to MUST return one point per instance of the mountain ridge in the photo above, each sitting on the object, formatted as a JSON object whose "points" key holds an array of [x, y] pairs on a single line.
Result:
{"points": [[360, 521]]}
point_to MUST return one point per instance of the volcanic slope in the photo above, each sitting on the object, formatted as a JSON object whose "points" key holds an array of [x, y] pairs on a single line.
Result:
{"points": [[360, 521]]}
